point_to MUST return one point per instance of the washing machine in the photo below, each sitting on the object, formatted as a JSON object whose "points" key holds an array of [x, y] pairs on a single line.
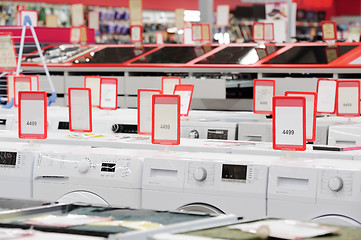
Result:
{"points": [[322, 190], [209, 183], [345, 134], [98, 176]]}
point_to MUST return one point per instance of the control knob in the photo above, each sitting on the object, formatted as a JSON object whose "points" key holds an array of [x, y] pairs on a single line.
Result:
{"points": [[335, 184], [84, 166], [194, 134], [199, 174]]}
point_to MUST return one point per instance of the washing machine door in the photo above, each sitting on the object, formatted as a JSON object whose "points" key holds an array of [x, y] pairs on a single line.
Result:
{"points": [[84, 197], [200, 208], [334, 219]]}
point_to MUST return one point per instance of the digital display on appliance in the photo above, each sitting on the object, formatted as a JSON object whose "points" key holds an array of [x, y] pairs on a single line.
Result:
{"points": [[234, 172], [307, 55], [8, 158], [235, 55], [112, 55], [176, 54]]}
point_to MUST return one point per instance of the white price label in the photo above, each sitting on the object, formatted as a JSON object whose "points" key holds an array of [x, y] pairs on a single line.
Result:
{"points": [[264, 91], [136, 33], [289, 123], [80, 110], [258, 31], [145, 110], [21, 84], [310, 112], [197, 32], [348, 100], [94, 84], [108, 94], [166, 117], [169, 83], [34, 83], [268, 32], [222, 15], [7, 52], [326, 94], [10, 86], [159, 38], [75, 33], [185, 92], [32, 115]]}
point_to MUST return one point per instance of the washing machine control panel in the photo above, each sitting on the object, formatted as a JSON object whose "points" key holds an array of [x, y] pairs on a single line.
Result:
{"points": [[336, 184]]}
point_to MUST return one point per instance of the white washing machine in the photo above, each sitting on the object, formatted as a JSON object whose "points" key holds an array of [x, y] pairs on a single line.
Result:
{"points": [[323, 190], [211, 183], [99, 176], [345, 134], [16, 168]]}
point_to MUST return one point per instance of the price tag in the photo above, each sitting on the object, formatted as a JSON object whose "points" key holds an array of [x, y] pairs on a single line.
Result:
{"points": [[32, 115], [93, 20], [51, 20], [353, 33], [166, 119], [21, 83], [7, 52], [159, 38], [109, 93], [222, 15], [75, 34], [289, 118], [93, 83], [145, 97], [329, 30], [269, 32], [263, 92], [136, 12], [80, 111], [77, 15], [196, 31], [168, 84], [185, 92], [179, 18], [332, 53], [136, 33], [326, 96], [311, 102], [206, 32], [32, 14], [258, 31], [348, 98]]}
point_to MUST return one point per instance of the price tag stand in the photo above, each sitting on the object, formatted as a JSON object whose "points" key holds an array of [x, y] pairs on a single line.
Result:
{"points": [[263, 92], [185, 92], [80, 110], [326, 96], [169, 83], [289, 123], [348, 99], [145, 97], [32, 114], [166, 119]]}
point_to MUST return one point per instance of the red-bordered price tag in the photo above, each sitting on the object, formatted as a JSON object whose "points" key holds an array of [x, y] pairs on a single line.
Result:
{"points": [[34, 82], [185, 92], [21, 83], [80, 110], [348, 98], [329, 30], [326, 96], [32, 115], [109, 93], [136, 33], [263, 92], [289, 123], [258, 31], [206, 32], [353, 34], [93, 83], [166, 119], [196, 31], [145, 97], [168, 84], [75, 34], [222, 15], [311, 105], [269, 32]]}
